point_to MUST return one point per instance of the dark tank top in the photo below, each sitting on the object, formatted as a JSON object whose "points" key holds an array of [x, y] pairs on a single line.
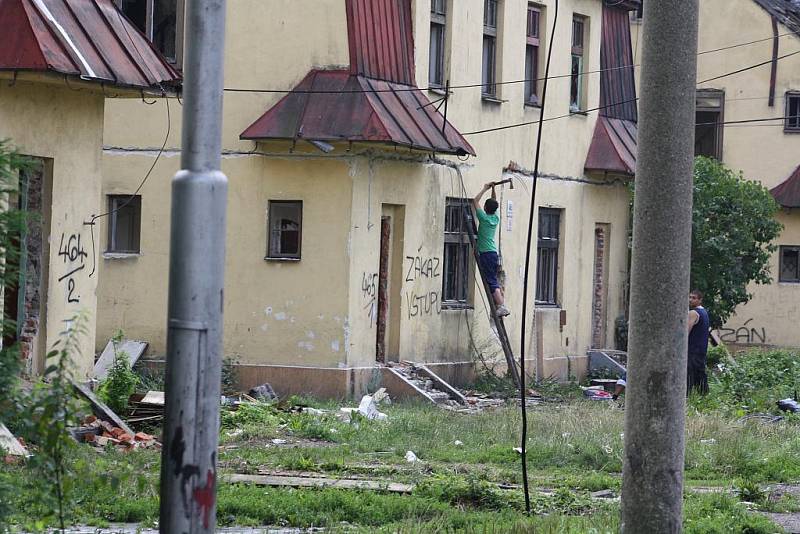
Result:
{"points": [[698, 335]]}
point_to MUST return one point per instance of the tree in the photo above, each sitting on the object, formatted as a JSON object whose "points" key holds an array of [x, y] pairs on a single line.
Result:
{"points": [[733, 229]]}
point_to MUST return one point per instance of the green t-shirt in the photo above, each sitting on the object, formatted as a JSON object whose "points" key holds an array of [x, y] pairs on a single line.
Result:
{"points": [[486, 228]]}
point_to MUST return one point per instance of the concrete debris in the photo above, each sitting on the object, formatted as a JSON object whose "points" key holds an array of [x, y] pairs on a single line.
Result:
{"points": [[369, 409], [603, 494], [278, 441], [381, 396], [314, 411], [411, 457], [154, 398], [9, 444], [264, 392], [458, 443], [100, 409]]}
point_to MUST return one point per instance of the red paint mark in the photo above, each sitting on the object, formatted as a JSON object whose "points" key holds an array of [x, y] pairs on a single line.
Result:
{"points": [[205, 497]]}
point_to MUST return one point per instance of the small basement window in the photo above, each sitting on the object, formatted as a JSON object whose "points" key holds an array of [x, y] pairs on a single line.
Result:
{"points": [[285, 229], [124, 223], [790, 264]]}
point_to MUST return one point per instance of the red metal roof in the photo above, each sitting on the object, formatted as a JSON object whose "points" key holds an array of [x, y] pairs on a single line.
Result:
{"points": [[613, 147], [617, 83], [381, 39], [91, 39], [787, 193], [348, 107]]}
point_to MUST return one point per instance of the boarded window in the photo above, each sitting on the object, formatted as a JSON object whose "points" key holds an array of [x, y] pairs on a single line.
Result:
{"points": [[792, 112], [547, 256], [489, 70], [124, 223], [532, 54], [161, 21], [790, 264], [437, 53], [285, 229], [577, 81], [709, 116], [457, 254]]}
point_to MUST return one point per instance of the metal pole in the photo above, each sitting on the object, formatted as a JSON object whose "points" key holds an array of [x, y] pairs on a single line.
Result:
{"points": [[652, 481], [196, 276]]}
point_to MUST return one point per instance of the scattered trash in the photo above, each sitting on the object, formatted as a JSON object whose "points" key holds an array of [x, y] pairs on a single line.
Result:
{"points": [[596, 393], [234, 433], [278, 441], [411, 457], [458, 443], [710, 441], [788, 405], [518, 450], [102, 411], [264, 392], [369, 409], [314, 411]]}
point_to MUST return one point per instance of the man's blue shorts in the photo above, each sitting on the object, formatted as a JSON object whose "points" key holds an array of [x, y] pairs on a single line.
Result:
{"points": [[489, 263]]}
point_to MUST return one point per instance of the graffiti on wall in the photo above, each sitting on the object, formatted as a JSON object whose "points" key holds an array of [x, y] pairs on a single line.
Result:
{"points": [[744, 334], [421, 303], [74, 260], [369, 293]]}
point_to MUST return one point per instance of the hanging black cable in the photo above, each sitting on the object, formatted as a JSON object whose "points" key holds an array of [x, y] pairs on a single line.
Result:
{"points": [[522, 391]]}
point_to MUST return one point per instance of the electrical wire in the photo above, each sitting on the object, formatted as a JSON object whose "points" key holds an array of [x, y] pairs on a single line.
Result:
{"points": [[522, 388], [94, 218], [482, 84]]}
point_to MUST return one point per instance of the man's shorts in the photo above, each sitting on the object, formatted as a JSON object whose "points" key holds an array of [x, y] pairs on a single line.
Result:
{"points": [[623, 379], [489, 263]]}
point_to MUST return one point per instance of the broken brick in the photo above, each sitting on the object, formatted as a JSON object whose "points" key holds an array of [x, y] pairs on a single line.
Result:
{"points": [[141, 436], [117, 432], [107, 434], [89, 438], [125, 437], [89, 419]]}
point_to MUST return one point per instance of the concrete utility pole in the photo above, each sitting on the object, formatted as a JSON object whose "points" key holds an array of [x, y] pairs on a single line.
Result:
{"points": [[196, 277], [652, 478]]}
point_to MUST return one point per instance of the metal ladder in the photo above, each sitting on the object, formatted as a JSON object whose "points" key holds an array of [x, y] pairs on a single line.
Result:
{"points": [[498, 321]]}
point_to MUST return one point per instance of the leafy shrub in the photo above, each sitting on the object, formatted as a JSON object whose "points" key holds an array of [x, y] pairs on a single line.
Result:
{"points": [[256, 414], [716, 355], [471, 492], [121, 382]]}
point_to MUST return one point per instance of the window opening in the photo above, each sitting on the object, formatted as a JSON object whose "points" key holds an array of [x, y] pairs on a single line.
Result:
{"points": [[489, 73], [532, 55], [709, 116], [576, 70], [437, 52], [124, 225], [161, 21], [285, 229], [792, 112], [789, 264], [547, 256], [457, 254]]}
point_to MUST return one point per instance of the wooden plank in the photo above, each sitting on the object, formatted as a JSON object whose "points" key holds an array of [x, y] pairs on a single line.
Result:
{"points": [[134, 349], [443, 386], [400, 387], [9, 444], [100, 409], [320, 482]]}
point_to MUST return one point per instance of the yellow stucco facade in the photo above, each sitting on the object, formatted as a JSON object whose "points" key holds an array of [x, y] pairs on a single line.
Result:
{"points": [[319, 312], [762, 151], [62, 128]]}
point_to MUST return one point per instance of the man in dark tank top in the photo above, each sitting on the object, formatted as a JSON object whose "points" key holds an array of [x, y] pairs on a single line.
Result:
{"points": [[698, 323]]}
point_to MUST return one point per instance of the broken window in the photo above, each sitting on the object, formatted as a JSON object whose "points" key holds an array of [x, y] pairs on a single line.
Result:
{"points": [[436, 57], [547, 256], [577, 81], [790, 264], [792, 112], [709, 113], [457, 254], [161, 21], [285, 229], [532, 54], [489, 71], [124, 223]]}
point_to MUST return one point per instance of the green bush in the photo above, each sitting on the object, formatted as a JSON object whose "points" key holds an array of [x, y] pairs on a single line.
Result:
{"points": [[121, 382], [716, 355]]}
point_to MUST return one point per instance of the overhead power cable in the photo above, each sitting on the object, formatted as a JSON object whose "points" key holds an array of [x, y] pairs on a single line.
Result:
{"points": [[613, 104], [474, 85]]}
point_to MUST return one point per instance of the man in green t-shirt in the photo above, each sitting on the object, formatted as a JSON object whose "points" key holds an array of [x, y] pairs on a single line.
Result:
{"points": [[488, 260]]}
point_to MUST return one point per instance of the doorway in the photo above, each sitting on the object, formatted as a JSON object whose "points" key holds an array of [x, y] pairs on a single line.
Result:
{"points": [[600, 286], [390, 266]]}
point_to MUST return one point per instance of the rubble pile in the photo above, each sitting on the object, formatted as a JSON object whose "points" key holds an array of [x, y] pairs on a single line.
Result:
{"points": [[101, 433]]}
